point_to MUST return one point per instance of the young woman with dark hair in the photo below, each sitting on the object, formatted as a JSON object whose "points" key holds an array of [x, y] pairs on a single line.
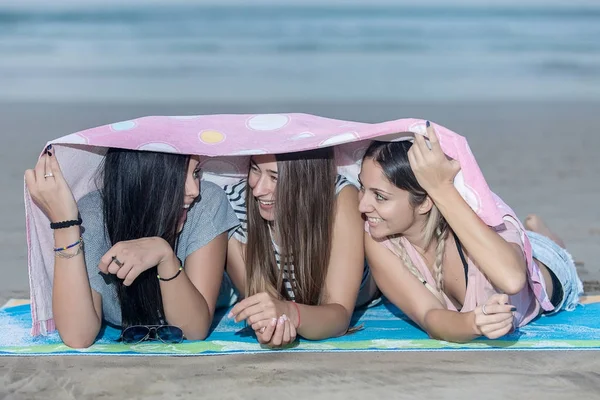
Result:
{"points": [[155, 247], [297, 257], [437, 261]]}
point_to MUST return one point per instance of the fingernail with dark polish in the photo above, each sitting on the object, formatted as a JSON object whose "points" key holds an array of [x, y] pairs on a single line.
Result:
{"points": [[428, 124], [50, 154], [513, 309], [49, 147]]}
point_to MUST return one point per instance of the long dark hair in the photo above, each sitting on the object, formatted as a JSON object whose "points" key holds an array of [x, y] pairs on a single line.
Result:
{"points": [[392, 157], [304, 214], [142, 196]]}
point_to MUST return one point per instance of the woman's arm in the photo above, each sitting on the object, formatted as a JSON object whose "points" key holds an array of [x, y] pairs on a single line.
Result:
{"points": [[189, 300], [76, 308], [411, 296], [343, 277], [503, 263], [236, 267]]}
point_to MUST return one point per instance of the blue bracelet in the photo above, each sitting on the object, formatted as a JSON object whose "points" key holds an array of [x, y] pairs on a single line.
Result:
{"points": [[69, 246]]}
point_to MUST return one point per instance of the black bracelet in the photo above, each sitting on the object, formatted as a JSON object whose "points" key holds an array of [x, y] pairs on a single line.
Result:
{"points": [[66, 224], [171, 278]]}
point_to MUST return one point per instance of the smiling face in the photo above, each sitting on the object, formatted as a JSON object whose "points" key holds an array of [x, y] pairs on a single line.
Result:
{"points": [[386, 207], [192, 188], [262, 180]]}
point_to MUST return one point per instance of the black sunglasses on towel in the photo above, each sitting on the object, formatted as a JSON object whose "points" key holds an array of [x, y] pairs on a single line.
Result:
{"points": [[139, 333]]}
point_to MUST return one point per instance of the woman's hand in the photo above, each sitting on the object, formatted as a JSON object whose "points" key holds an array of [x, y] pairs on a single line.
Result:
{"points": [[258, 310], [495, 318], [268, 317], [278, 333], [431, 167], [49, 189], [128, 259]]}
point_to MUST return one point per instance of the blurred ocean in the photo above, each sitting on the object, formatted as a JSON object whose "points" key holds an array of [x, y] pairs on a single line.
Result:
{"points": [[306, 53]]}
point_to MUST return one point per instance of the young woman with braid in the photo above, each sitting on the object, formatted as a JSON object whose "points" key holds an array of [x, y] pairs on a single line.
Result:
{"points": [[434, 258], [298, 255]]}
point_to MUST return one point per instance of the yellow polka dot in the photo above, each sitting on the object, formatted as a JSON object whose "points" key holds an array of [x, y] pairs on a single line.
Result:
{"points": [[211, 137]]}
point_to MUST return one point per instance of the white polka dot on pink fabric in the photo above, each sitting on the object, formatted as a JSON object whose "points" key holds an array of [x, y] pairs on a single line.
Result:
{"points": [[158, 146], [341, 138], [250, 152], [303, 135], [267, 122], [123, 126]]}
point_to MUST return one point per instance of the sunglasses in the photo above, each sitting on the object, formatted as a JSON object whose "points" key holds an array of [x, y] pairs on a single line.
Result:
{"points": [[165, 333]]}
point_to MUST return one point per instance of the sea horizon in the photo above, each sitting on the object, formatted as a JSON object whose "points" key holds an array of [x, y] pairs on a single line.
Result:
{"points": [[295, 52]]}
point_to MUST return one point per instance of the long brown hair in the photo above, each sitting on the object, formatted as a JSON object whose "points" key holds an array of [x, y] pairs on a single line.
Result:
{"points": [[304, 214]]}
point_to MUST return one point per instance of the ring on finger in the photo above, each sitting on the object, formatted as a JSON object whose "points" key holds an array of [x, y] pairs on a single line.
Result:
{"points": [[48, 175], [483, 310], [116, 261]]}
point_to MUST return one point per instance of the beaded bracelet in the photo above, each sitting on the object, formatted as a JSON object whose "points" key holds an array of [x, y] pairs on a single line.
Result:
{"points": [[60, 251], [69, 246]]}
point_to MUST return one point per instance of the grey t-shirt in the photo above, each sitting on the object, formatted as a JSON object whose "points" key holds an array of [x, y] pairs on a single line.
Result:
{"points": [[207, 219]]}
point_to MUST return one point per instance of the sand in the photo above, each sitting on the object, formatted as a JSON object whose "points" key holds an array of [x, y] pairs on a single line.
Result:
{"points": [[539, 157]]}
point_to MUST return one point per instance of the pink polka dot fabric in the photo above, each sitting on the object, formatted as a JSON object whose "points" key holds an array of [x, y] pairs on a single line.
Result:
{"points": [[225, 143]]}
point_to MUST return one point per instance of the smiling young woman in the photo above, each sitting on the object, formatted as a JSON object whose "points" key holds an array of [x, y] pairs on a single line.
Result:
{"points": [[436, 260], [155, 245], [298, 255]]}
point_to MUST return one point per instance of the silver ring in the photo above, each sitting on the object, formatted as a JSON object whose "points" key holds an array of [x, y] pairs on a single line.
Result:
{"points": [[483, 310], [116, 261], [48, 175]]}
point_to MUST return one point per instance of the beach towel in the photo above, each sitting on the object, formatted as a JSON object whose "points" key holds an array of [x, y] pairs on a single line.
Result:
{"points": [[385, 328], [225, 143]]}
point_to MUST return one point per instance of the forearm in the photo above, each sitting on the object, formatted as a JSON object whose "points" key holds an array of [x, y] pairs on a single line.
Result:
{"points": [[75, 317], [450, 326], [321, 322], [498, 260], [183, 304], [236, 265]]}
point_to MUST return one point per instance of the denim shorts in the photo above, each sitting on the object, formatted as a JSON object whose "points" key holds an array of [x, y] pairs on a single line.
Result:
{"points": [[560, 262]]}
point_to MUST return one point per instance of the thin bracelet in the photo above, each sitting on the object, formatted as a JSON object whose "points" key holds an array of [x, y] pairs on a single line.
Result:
{"points": [[171, 278], [297, 312], [69, 246], [63, 254]]}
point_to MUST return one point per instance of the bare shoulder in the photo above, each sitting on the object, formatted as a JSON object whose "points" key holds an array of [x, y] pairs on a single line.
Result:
{"points": [[376, 249], [347, 200]]}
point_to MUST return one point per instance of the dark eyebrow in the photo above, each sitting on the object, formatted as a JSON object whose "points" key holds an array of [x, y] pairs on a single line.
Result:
{"points": [[379, 191], [374, 189]]}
